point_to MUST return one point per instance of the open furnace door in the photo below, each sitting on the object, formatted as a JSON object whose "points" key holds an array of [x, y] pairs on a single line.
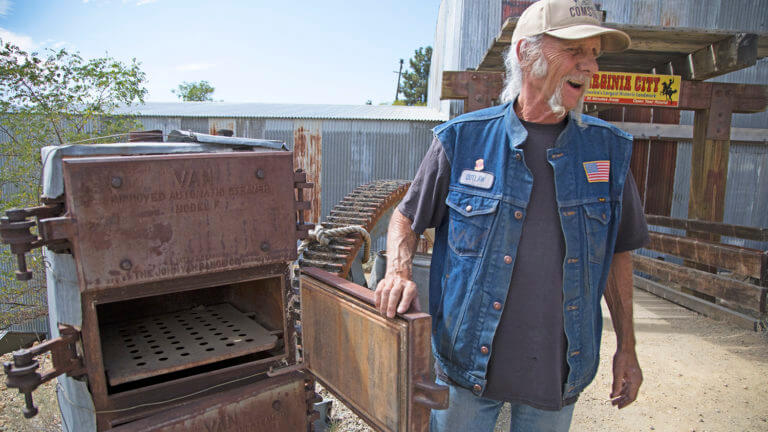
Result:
{"points": [[378, 367]]}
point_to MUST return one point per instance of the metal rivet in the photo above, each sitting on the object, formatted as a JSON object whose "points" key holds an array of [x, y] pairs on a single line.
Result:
{"points": [[468, 208], [259, 173], [484, 349], [126, 264], [117, 182], [517, 156], [518, 215], [276, 405], [497, 305], [507, 259], [477, 388], [265, 246]]}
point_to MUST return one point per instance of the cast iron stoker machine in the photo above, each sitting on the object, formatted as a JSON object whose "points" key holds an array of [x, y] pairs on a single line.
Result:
{"points": [[177, 305]]}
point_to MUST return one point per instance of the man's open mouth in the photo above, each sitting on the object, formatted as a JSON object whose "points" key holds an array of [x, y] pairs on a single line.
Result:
{"points": [[575, 84]]}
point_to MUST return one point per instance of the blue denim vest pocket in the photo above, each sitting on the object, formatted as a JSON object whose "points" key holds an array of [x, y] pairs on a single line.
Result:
{"points": [[470, 220], [598, 216]]}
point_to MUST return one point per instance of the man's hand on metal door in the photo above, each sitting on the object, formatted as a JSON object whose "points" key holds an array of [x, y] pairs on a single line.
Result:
{"points": [[394, 294]]}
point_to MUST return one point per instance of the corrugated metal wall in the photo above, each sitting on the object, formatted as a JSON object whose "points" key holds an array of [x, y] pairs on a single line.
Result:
{"points": [[354, 152], [465, 31]]}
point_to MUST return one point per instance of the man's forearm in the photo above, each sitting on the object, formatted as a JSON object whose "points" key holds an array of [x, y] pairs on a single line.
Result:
{"points": [[618, 296], [401, 245]]}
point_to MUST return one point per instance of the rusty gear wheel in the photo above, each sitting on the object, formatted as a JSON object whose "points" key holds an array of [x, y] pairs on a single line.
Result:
{"points": [[369, 206]]}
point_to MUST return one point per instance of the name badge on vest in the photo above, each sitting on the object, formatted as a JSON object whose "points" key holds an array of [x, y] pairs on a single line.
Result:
{"points": [[478, 179]]}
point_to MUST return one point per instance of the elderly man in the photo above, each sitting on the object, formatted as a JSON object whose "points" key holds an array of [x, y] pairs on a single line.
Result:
{"points": [[536, 213]]}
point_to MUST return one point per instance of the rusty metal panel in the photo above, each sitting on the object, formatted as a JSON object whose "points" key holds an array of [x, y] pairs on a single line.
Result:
{"points": [[217, 124], [147, 218], [379, 367], [278, 404], [308, 155]]}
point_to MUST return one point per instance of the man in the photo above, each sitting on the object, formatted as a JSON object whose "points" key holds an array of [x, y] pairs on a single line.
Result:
{"points": [[535, 214]]}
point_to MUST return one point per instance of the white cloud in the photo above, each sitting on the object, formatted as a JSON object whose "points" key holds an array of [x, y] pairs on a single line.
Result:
{"points": [[143, 2], [194, 67], [24, 42], [5, 7], [60, 44]]}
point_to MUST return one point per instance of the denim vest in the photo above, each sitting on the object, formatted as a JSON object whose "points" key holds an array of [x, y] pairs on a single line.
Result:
{"points": [[476, 245]]}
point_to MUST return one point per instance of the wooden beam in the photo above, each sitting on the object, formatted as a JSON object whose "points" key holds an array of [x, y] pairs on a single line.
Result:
{"points": [[477, 89], [696, 304], [745, 295], [738, 231], [742, 261], [677, 132], [744, 98], [730, 54]]}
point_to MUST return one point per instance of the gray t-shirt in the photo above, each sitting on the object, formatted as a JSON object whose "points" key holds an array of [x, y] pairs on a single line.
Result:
{"points": [[528, 363]]}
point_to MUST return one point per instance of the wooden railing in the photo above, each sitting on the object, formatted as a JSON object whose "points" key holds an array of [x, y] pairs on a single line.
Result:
{"points": [[738, 276]]}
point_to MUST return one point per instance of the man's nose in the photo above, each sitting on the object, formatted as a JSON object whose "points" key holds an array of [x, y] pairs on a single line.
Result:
{"points": [[588, 63]]}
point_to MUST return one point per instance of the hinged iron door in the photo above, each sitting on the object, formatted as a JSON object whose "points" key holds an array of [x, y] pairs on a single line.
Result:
{"points": [[378, 367]]}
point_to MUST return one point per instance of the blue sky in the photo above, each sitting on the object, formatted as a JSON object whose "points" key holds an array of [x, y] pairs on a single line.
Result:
{"points": [[300, 51]]}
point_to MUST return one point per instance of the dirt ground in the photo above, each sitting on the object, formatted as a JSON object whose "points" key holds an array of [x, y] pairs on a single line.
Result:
{"points": [[700, 375]]}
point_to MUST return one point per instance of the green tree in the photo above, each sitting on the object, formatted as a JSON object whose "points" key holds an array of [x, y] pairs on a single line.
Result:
{"points": [[200, 91], [52, 99], [416, 80]]}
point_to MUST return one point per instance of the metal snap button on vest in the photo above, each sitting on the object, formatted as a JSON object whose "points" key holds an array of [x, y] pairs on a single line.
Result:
{"points": [[484, 349], [477, 388], [497, 305], [507, 259], [468, 208], [517, 156], [518, 215]]}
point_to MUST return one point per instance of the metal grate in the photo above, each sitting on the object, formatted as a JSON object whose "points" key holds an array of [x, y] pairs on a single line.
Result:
{"points": [[161, 344]]}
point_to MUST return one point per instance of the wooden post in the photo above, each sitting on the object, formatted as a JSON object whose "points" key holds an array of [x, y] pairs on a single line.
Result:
{"points": [[709, 158]]}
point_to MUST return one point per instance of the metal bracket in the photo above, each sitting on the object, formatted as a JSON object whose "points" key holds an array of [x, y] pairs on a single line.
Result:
{"points": [[16, 230], [272, 372], [22, 372], [300, 183]]}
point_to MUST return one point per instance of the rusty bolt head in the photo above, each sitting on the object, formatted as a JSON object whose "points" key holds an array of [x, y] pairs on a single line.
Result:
{"points": [[126, 264], [265, 246], [276, 405], [259, 173], [116, 182]]}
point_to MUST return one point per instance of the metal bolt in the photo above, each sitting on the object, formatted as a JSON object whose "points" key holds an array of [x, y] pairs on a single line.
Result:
{"points": [[276, 405], [265, 246], [126, 264], [259, 173], [117, 182]]}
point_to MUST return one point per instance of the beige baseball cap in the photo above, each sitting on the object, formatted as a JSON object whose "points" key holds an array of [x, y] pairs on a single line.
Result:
{"points": [[568, 19]]}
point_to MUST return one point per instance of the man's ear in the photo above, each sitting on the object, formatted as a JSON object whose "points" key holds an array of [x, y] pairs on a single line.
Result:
{"points": [[519, 51]]}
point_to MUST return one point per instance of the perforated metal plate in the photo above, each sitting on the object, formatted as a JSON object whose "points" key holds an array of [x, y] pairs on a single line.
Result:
{"points": [[156, 345]]}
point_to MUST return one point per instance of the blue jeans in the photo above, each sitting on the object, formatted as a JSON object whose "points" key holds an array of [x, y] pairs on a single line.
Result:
{"points": [[470, 413]]}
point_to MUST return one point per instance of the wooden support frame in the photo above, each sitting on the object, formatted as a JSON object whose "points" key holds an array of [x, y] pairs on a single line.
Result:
{"points": [[726, 55], [744, 295], [738, 231], [477, 89], [742, 261], [703, 307]]}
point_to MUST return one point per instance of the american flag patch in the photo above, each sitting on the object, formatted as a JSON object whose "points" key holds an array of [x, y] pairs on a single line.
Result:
{"points": [[597, 171]]}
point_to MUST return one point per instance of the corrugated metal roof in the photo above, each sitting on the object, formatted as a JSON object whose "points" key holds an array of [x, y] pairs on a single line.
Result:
{"points": [[285, 111]]}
